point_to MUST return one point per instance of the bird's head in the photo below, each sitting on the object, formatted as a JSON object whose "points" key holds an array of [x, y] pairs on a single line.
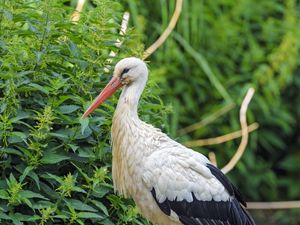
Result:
{"points": [[127, 71]]}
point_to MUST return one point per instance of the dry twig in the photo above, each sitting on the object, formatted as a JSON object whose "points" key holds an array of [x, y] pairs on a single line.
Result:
{"points": [[76, 14], [119, 42], [122, 32], [167, 31], [212, 158], [244, 127], [274, 205], [207, 119], [220, 139]]}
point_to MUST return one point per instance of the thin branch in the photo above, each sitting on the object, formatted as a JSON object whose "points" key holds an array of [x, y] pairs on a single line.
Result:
{"points": [[167, 31], [207, 120], [244, 127], [122, 32], [220, 139], [119, 42], [274, 205], [76, 14], [212, 158]]}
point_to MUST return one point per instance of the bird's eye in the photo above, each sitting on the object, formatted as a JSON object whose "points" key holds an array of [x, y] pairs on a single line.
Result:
{"points": [[124, 71]]}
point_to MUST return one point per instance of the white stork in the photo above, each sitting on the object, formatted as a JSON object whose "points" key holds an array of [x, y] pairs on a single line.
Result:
{"points": [[169, 183]]}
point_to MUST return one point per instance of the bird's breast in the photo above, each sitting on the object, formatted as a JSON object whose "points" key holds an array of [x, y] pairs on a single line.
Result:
{"points": [[128, 155]]}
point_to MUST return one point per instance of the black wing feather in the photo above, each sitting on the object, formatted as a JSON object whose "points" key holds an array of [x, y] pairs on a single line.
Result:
{"points": [[210, 212], [232, 190]]}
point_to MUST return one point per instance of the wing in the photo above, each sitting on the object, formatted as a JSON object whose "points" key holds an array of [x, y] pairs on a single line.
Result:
{"points": [[188, 188]]}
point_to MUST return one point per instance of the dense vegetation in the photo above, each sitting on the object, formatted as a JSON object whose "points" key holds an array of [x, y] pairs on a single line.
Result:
{"points": [[55, 168]]}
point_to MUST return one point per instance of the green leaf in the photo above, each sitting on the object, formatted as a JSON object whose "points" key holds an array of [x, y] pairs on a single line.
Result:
{"points": [[52, 157], [25, 173], [16, 137], [66, 109], [101, 206], [30, 194], [291, 162], [36, 179], [4, 216], [56, 178], [107, 222], [3, 194], [50, 191], [39, 87], [84, 124], [73, 147], [79, 189], [61, 216], [89, 215], [12, 179], [42, 205], [79, 205], [11, 151], [100, 192]]}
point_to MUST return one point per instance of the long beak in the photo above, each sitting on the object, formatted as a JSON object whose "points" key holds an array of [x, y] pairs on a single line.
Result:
{"points": [[113, 85]]}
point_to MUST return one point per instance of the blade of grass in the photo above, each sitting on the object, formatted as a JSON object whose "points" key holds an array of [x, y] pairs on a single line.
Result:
{"points": [[204, 65], [207, 119]]}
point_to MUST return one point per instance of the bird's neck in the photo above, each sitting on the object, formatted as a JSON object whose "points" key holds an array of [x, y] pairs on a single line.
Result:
{"points": [[129, 99], [126, 128]]}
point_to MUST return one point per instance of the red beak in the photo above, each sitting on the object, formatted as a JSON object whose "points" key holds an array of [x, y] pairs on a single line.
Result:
{"points": [[113, 85]]}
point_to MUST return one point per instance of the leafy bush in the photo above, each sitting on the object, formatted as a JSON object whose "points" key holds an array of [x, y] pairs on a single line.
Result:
{"points": [[55, 168]]}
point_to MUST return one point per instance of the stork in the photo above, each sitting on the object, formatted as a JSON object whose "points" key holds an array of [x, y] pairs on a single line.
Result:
{"points": [[170, 184]]}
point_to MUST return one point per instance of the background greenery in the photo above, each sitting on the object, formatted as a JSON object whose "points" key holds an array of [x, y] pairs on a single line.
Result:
{"points": [[55, 168]]}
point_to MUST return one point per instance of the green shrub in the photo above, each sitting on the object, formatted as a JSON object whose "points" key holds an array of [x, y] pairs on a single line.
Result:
{"points": [[55, 168]]}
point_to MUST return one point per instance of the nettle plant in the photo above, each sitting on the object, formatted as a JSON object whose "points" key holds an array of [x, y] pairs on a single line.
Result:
{"points": [[55, 167]]}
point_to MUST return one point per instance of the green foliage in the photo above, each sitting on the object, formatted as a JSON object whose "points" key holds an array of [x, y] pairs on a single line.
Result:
{"points": [[55, 167]]}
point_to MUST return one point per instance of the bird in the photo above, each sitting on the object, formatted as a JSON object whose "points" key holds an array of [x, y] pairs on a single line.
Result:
{"points": [[169, 183]]}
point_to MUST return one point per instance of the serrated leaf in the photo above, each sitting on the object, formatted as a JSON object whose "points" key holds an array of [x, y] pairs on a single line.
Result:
{"points": [[84, 124], [11, 151], [4, 194], [291, 162], [49, 191], [25, 173], [79, 205], [12, 179], [61, 216], [30, 194], [107, 222], [89, 215], [52, 157], [43, 204], [16, 137], [4, 216], [66, 109], [73, 147], [39, 87], [99, 192], [36, 179], [78, 189], [101, 206], [57, 178]]}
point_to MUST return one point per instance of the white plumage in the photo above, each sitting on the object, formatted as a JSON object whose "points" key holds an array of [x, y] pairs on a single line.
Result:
{"points": [[169, 183]]}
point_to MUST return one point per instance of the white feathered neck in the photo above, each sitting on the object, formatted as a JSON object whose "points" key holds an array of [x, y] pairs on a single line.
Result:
{"points": [[129, 133]]}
